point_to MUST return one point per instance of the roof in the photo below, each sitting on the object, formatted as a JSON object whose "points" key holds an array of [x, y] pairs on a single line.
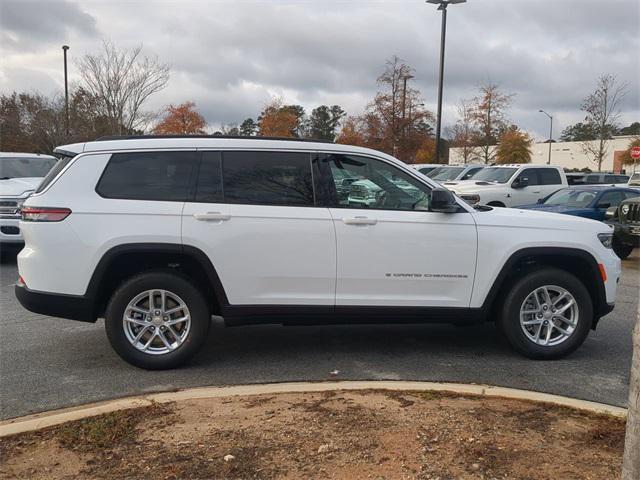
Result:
{"points": [[620, 186], [518, 165], [24, 155], [212, 142]]}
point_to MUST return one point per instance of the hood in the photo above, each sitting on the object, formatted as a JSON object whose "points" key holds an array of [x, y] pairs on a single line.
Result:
{"points": [[554, 208], [471, 186], [536, 219], [17, 187]]}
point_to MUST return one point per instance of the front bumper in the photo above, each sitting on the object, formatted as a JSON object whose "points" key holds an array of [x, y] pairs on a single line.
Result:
{"points": [[626, 234], [73, 307]]}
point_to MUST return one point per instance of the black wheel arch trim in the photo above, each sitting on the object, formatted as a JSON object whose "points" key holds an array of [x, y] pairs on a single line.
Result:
{"points": [[600, 305]]}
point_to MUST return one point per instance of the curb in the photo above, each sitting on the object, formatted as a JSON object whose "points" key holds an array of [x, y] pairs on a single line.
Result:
{"points": [[56, 417]]}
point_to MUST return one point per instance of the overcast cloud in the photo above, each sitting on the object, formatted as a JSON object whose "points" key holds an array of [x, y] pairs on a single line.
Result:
{"points": [[230, 57]]}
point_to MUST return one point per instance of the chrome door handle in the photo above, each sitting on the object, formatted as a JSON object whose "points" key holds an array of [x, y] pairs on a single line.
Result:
{"points": [[359, 221], [211, 216]]}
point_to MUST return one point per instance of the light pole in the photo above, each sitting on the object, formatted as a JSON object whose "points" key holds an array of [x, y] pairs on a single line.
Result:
{"points": [[66, 90], [443, 4], [550, 133], [404, 103]]}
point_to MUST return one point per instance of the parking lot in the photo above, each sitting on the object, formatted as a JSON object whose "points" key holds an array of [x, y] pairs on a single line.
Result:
{"points": [[48, 363]]}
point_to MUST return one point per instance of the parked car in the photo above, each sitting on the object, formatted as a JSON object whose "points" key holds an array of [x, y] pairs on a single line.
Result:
{"points": [[584, 201], [510, 185], [449, 173], [20, 174], [156, 235], [625, 220], [425, 168], [604, 179], [634, 180], [575, 178]]}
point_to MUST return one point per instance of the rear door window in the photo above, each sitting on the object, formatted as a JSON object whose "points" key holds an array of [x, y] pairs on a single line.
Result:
{"points": [[549, 176], [268, 178], [162, 176]]}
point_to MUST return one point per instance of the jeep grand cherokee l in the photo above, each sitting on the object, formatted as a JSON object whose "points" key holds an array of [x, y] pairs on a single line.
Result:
{"points": [[156, 235]]}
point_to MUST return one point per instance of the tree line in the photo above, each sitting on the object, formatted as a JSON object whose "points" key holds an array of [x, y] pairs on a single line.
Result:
{"points": [[115, 85]]}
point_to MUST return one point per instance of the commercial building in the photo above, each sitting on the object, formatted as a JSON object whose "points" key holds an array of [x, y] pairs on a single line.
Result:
{"points": [[571, 155]]}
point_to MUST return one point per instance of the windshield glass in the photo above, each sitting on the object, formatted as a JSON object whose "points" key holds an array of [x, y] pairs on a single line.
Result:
{"points": [[445, 173], [635, 178], [21, 167], [495, 174], [571, 198]]}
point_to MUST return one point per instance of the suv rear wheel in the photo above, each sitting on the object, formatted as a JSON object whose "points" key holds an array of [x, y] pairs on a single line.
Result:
{"points": [[157, 320], [547, 314]]}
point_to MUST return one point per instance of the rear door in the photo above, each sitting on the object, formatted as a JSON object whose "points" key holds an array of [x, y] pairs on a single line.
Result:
{"points": [[254, 214], [391, 250]]}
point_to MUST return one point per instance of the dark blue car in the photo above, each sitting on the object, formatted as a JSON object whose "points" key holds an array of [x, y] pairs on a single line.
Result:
{"points": [[584, 201]]}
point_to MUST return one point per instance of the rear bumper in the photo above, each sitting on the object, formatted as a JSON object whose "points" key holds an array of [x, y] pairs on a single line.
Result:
{"points": [[10, 231], [72, 307]]}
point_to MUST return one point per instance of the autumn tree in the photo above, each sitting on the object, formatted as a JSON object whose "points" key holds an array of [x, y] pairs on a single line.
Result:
{"points": [[489, 114], [181, 119], [396, 121], [324, 121], [602, 109], [351, 133], [514, 147], [122, 81], [464, 134], [626, 156], [278, 120]]}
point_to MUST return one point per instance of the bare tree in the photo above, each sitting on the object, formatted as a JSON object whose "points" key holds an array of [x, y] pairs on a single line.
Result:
{"points": [[489, 115], [464, 134], [631, 459], [122, 80], [602, 110]]}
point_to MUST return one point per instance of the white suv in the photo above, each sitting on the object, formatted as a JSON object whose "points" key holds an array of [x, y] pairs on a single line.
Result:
{"points": [[20, 175], [156, 235], [509, 185]]}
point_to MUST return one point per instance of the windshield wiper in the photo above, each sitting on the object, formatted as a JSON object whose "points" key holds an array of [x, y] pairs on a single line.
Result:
{"points": [[6, 178]]}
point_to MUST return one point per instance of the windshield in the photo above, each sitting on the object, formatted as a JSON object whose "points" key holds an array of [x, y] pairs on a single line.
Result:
{"points": [[495, 174], [21, 167], [445, 173], [635, 179], [571, 198]]}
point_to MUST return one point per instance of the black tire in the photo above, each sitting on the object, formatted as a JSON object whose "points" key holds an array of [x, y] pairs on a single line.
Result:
{"points": [[509, 321], [623, 251], [171, 282]]}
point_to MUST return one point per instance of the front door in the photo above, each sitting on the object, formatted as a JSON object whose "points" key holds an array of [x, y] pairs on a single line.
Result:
{"points": [[391, 250], [254, 215]]}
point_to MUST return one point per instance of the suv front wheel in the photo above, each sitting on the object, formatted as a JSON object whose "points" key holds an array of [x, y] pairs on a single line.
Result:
{"points": [[547, 314], [157, 320]]}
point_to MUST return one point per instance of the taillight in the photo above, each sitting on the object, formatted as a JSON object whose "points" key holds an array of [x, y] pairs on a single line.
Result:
{"points": [[44, 214]]}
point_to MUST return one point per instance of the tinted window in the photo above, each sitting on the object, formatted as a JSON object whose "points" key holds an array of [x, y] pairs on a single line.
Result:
{"points": [[24, 167], [148, 176], [209, 187], [530, 175], [612, 198], [378, 185], [53, 173], [471, 172], [549, 176], [267, 178], [592, 179]]}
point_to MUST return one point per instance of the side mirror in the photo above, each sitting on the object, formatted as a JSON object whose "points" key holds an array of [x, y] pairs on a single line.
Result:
{"points": [[443, 201], [603, 205], [611, 213], [520, 182], [540, 200]]}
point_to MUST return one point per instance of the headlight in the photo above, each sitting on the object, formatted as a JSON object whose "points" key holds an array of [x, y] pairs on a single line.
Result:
{"points": [[606, 239], [471, 198], [624, 209]]}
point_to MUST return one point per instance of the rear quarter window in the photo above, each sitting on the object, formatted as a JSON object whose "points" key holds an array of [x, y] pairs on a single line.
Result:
{"points": [[53, 173], [162, 176]]}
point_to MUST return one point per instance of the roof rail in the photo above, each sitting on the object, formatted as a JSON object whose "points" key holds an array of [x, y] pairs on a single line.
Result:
{"points": [[237, 137]]}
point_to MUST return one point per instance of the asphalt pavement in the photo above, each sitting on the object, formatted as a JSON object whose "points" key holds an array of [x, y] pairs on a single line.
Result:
{"points": [[48, 363]]}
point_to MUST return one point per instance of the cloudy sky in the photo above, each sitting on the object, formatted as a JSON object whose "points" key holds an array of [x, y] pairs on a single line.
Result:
{"points": [[230, 57]]}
